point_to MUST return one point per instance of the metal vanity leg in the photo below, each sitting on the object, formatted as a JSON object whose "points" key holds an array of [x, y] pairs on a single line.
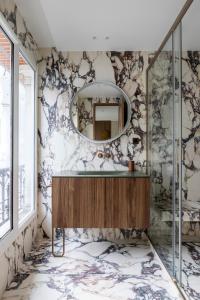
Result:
{"points": [[63, 246]]}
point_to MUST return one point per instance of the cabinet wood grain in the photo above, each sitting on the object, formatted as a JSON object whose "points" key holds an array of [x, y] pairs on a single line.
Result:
{"points": [[100, 202]]}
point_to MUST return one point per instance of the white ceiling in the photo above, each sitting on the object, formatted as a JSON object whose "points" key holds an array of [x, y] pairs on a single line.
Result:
{"points": [[191, 27], [71, 24]]}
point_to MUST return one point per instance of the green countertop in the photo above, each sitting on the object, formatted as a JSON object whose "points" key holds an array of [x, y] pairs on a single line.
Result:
{"points": [[116, 173]]}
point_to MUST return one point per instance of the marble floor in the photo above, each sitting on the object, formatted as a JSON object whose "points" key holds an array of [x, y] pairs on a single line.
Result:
{"points": [[191, 269], [190, 266], [118, 270]]}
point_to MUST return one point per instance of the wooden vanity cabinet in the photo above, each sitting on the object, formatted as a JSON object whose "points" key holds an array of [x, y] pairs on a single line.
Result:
{"points": [[99, 202]]}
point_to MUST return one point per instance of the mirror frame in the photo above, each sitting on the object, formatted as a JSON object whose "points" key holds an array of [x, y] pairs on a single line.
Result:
{"points": [[128, 114]]}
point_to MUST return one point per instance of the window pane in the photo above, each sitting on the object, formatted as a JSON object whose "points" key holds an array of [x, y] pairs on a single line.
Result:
{"points": [[26, 138], [5, 134]]}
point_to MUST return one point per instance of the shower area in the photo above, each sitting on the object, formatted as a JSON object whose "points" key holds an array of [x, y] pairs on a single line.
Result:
{"points": [[173, 99]]}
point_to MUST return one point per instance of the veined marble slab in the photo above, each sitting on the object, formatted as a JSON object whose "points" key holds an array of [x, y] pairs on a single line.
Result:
{"points": [[117, 270]]}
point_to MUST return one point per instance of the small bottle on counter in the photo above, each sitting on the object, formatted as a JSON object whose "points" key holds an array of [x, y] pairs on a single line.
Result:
{"points": [[131, 165]]}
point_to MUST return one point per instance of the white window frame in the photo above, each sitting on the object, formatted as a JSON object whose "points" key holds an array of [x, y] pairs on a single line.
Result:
{"points": [[18, 227]]}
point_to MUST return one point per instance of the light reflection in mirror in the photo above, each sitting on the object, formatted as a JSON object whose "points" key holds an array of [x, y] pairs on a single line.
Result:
{"points": [[100, 111]]}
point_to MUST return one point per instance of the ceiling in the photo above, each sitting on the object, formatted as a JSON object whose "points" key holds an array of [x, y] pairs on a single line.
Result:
{"points": [[78, 25], [191, 27]]}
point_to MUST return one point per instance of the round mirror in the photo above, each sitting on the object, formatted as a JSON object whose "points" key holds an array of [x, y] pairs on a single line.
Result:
{"points": [[100, 112]]}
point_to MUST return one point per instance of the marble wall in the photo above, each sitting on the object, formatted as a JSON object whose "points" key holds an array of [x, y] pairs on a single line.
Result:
{"points": [[161, 139], [60, 147], [160, 134], [191, 142], [12, 258], [17, 23]]}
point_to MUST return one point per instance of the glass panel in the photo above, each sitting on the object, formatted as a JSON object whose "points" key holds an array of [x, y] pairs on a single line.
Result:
{"points": [[26, 138], [160, 122], [5, 134], [177, 150], [191, 152]]}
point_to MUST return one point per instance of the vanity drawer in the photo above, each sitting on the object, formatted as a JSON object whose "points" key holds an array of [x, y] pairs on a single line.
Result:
{"points": [[127, 202], [78, 202]]}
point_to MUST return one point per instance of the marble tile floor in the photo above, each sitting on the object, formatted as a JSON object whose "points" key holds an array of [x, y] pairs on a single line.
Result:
{"points": [[191, 269], [117, 270], [190, 266]]}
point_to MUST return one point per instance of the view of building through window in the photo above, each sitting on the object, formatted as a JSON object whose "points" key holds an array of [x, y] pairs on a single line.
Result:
{"points": [[26, 138], [5, 134]]}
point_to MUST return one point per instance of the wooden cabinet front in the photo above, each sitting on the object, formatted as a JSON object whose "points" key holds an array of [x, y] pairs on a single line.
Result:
{"points": [[100, 202]]}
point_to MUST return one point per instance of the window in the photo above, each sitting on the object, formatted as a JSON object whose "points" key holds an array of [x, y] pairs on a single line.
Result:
{"points": [[6, 78], [17, 136], [26, 139]]}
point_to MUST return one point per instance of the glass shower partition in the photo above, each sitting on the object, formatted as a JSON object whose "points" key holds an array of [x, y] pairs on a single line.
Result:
{"points": [[177, 149], [164, 155]]}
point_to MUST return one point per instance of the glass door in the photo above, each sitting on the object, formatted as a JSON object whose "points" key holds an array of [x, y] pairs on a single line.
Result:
{"points": [[177, 149], [164, 123], [161, 154]]}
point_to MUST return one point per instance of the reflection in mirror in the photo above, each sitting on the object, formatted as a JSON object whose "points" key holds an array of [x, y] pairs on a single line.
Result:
{"points": [[100, 111]]}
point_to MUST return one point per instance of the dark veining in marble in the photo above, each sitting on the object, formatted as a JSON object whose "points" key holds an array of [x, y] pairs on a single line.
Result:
{"points": [[92, 269], [60, 78]]}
